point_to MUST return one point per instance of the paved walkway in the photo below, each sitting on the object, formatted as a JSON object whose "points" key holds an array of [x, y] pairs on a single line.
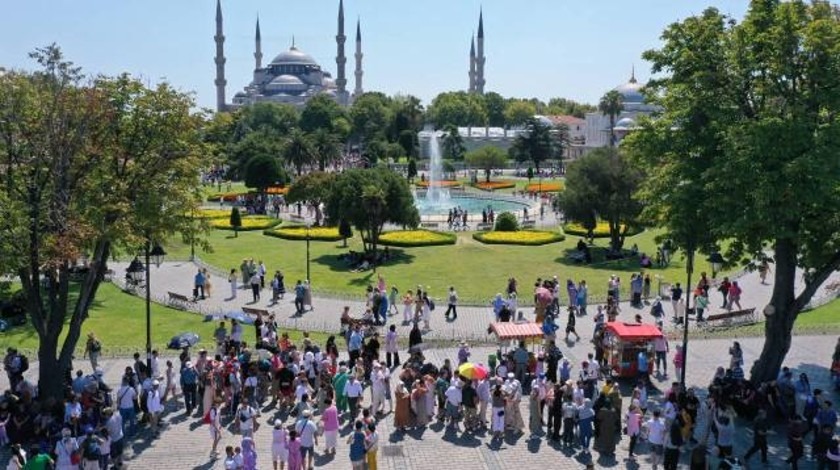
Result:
{"points": [[185, 443], [472, 322]]}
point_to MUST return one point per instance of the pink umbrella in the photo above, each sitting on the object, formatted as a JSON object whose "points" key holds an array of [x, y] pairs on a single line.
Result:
{"points": [[543, 295], [472, 371]]}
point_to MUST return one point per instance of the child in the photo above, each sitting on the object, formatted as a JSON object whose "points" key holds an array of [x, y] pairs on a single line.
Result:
{"points": [[295, 460], [371, 445], [104, 449]]}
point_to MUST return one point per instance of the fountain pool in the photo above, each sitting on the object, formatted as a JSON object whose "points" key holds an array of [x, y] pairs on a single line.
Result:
{"points": [[472, 204]]}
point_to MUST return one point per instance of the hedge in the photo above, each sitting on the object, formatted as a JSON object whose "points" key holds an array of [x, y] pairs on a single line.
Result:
{"points": [[298, 232], [253, 222], [415, 238], [522, 237], [602, 230]]}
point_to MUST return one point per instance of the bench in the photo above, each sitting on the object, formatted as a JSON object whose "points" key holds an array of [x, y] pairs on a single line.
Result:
{"points": [[484, 226], [730, 318], [429, 225], [255, 311], [529, 224], [178, 300]]}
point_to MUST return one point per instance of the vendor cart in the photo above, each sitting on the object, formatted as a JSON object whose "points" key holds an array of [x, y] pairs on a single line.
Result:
{"points": [[622, 344]]}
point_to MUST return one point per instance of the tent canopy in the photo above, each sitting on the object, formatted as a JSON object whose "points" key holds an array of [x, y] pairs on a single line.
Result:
{"points": [[508, 330], [630, 331]]}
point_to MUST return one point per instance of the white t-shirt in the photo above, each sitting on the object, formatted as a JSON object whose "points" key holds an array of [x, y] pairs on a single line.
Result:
{"points": [[353, 389], [656, 431], [126, 396], [246, 418], [306, 428]]}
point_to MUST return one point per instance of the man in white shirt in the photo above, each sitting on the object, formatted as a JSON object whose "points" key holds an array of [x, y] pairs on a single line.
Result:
{"points": [[125, 404], [155, 365], [155, 407], [454, 396], [308, 432], [656, 438], [245, 418], [377, 389], [353, 391], [483, 391], [114, 425]]}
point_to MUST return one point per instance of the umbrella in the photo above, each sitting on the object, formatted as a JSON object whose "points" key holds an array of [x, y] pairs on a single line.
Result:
{"points": [[473, 371], [240, 317], [543, 295], [418, 347], [183, 340]]}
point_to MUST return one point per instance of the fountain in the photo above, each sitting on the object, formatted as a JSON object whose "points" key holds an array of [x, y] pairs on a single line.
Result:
{"points": [[436, 195]]}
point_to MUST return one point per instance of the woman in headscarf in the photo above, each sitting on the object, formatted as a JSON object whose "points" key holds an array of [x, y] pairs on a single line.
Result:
{"points": [[418, 404], [249, 454], [535, 413], [402, 411], [605, 421]]}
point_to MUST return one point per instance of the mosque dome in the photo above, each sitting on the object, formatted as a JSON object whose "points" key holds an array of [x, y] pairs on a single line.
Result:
{"points": [[293, 56], [625, 123], [631, 92], [286, 83]]}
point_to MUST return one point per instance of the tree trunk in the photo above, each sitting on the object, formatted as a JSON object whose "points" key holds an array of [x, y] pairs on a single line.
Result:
{"points": [[487, 176], [345, 242], [51, 372], [778, 325]]}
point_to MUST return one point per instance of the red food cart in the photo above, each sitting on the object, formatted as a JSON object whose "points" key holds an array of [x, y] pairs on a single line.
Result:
{"points": [[622, 344]]}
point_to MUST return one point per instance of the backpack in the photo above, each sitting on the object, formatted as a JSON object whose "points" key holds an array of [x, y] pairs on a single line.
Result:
{"points": [[24, 363], [90, 449]]}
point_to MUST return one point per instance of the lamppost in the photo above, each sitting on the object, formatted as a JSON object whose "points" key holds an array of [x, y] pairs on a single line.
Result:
{"points": [[308, 226], [716, 260], [689, 269], [154, 254]]}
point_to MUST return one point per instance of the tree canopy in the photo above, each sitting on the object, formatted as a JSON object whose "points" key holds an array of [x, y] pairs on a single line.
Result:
{"points": [[534, 145], [264, 171], [748, 138], [89, 167], [487, 158], [313, 188], [611, 105]]}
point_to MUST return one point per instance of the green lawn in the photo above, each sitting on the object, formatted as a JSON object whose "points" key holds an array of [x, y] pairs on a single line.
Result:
{"points": [[119, 319], [476, 270]]}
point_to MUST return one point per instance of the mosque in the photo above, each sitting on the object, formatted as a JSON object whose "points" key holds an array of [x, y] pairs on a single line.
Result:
{"points": [[293, 76], [597, 127]]}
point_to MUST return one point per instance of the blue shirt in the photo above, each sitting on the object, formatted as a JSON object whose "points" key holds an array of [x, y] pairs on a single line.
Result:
{"points": [[355, 341], [199, 279], [300, 291], [357, 447], [642, 362], [383, 306]]}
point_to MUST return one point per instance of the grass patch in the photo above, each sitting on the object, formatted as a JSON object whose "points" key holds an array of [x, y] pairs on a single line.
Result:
{"points": [[415, 238], [119, 320], [520, 237], [477, 270], [299, 232], [251, 222]]}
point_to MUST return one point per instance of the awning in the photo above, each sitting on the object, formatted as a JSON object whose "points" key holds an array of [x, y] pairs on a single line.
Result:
{"points": [[630, 331], [509, 330]]}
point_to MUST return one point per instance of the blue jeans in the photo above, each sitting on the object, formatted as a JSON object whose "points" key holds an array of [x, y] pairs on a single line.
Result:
{"points": [[129, 420]]}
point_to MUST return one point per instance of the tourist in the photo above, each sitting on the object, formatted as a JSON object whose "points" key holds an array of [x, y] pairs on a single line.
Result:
{"points": [[295, 459], [338, 384], [656, 438], [679, 360], [452, 304], [154, 407], [498, 304], [230, 461], [499, 403], [208, 287], [723, 288], [307, 295], [760, 429], [676, 302], [408, 305], [300, 293], [308, 432], [660, 347], [795, 435], [763, 270], [585, 421], [570, 324], [371, 446], [392, 301], [426, 310], [198, 287], [246, 418], [391, 350], [330, 425], [453, 399], [736, 355], [358, 450], [279, 445], [232, 281], [249, 454], [353, 391], [214, 420], [734, 296], [633, 427], [377, 389], [402, 409], [93, 349], [255, 287], [605, 421]]}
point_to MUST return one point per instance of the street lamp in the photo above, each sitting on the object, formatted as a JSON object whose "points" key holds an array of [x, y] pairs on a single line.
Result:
{"points": [[135, 271], [716, 261], [155, 255], [308, 226], [689, 268]]}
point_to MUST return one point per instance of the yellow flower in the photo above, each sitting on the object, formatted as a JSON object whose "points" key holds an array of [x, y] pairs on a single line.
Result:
{"points": [[601, 230], [299, 232], [416, 238], [213, 213], [253, 222], [522, 237]]}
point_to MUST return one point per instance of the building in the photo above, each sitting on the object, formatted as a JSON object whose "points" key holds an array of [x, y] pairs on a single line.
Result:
{"points": [[293, 76], [577, 134], [597, 126], [472, 137]]}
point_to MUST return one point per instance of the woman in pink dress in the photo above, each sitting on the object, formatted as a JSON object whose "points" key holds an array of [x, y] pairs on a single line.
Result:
{"points": [[295, 460]]}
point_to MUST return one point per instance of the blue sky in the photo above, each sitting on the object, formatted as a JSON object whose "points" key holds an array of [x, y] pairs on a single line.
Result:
{"points": [[534, 48]]}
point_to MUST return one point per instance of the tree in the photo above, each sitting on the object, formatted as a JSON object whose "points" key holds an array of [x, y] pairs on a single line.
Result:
{"points": [[518, 112], [273, 118], [298, 150], [370, 198], [453, 144], [256, 144], [235, 221], [409, 142], [495, 105], [529, 173], [756, 101], [325, 147], [560, 140], [611, 105], [88, 167], [563, 106], [370, 116], [457, 109], [262, 172], [487, 158], [320, 114], [345, 230], [534, 144], [412, 169], [314, 189], [601, 185]]}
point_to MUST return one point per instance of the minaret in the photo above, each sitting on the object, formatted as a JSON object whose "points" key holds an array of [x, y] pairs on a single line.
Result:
{"points": [[480, 59], [472, 65], [220, 59], [258, 49], [340, 60], [358, 91]]}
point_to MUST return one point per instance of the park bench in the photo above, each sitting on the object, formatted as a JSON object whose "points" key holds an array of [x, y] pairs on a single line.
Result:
{"points": [[430, 225], [729, 318], [178, 301], [484, 226], [255, 311], [529, 224]]}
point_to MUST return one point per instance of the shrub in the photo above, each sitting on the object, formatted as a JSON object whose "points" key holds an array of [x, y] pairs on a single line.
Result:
{"points": [[522, 237], [552, 187], [298, 232], [411, 238], [251, 222], [494, 185], [506, 222], [602, 230]]}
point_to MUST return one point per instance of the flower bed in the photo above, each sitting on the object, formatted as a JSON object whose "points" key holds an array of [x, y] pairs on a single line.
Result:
{"points": [[251, 222], [226, 197], [213, 213], [602, 230], [411, 238], [521, 237], [277, 190], [553, 187], [439, 184], [298, 232], [494, 185]]}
